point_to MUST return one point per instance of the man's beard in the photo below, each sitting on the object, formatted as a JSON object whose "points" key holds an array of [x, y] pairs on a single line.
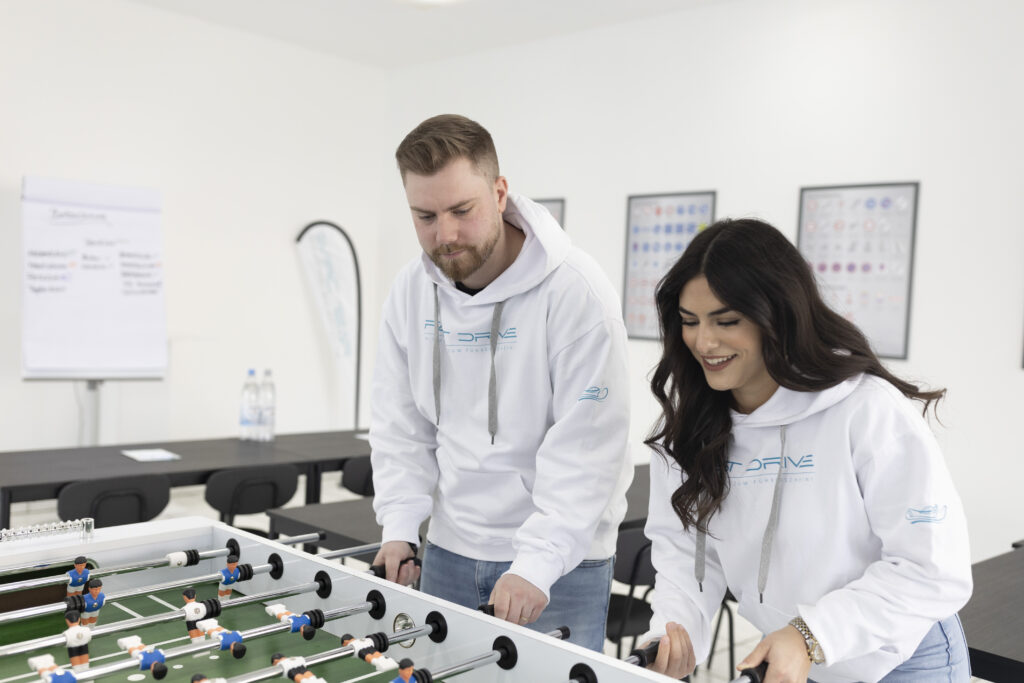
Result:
{"points": [[469, 261]]}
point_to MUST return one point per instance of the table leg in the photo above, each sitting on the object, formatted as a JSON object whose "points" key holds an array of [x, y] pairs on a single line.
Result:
{"points": [[313, 484], [5, 508]]}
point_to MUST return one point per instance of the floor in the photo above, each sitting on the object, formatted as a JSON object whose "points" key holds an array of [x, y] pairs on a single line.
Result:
{"points": [[188, 500]]}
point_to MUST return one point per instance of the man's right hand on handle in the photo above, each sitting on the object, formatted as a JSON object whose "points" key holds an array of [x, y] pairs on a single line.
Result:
{"points": [[396, 557]]}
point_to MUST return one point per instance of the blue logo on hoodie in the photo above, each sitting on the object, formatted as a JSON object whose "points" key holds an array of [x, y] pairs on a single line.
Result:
{"points": [[932, 514], [594, 394]]}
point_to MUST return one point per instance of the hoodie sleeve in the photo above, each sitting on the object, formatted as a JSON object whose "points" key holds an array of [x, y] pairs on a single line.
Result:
{"points": [[582, 459], [924, 574], [402, 442], [677, 596]]}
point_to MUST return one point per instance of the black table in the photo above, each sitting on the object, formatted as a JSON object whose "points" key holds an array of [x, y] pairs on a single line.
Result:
{"points": [[352, 522], [40, 474], [994, 619]]}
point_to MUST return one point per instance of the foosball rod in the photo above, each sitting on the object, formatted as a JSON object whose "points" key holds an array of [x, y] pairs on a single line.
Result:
{"points": [[178, 614], [184, 558], [503, 653], [373, 604], [436, 629], [275, 566], [645, 656]]}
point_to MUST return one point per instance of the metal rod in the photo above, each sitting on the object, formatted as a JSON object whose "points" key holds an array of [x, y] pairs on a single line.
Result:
{"points": [[304, 538], [329, 655], [56, 607], [468, 665], [128, 624], [349, 552]]}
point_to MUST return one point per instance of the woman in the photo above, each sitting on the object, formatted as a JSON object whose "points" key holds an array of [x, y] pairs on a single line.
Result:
{"points": [[793, 469]]}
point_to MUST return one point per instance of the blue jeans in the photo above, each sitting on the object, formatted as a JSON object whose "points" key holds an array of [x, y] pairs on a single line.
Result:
{"points": [[941, 656], [579, 599]]}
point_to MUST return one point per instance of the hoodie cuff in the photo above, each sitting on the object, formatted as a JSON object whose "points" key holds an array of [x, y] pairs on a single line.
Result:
{"points": [[540, 570], [397, 529]]}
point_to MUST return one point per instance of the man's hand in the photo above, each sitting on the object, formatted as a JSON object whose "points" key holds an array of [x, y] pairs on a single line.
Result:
{"points": [[396, 556], [675, 653], [786, 652], [517, 600]]}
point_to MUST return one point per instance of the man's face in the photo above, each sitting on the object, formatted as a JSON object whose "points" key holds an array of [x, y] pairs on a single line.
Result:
{"points": [[457, 214]]}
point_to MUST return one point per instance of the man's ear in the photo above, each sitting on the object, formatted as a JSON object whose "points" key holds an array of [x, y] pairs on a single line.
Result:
{"points": [[501, 192]]}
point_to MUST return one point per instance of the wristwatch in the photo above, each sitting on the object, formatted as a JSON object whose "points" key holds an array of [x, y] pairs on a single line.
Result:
{"points": [[814, 651]]}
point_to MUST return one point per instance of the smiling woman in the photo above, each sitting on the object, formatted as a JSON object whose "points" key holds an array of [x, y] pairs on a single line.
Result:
{"points": [[776, 411]]}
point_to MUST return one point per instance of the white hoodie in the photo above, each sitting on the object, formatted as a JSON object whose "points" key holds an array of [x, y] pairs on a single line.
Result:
{"points": [[550, 491], [871, 542]]}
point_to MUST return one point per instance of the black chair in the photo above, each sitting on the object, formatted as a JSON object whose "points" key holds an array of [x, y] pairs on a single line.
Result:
{"points": [[117, 500], [630, 615], [725, 612], [248, 490], [357, 475]]}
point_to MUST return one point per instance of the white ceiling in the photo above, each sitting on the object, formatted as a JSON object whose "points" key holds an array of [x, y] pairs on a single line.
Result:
{"points": [[394, 33]]}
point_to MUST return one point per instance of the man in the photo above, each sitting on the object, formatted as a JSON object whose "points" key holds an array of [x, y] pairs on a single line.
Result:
{"points": [[500, 400]]}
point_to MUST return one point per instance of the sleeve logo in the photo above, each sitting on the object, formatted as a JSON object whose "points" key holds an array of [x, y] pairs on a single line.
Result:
{"points": [[930, 513], [594, 394]]}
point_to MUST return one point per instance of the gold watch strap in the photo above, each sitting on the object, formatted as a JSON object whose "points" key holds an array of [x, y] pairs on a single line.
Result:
{"points": [[814, 652]]}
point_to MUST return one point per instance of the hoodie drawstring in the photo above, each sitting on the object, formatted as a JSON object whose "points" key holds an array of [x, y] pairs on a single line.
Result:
{"points": [[700, 560], [492, 387], [437, 355]]}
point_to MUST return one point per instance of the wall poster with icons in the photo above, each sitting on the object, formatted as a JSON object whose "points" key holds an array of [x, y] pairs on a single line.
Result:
{"points": [[859, 239], [556, 207], [658, 229]]}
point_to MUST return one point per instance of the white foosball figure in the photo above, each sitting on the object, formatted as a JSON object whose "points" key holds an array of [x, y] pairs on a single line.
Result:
{"points": [[77, 638]]}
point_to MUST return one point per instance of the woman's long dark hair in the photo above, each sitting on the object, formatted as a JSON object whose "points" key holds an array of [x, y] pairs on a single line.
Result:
{"points": [[753, 269]]}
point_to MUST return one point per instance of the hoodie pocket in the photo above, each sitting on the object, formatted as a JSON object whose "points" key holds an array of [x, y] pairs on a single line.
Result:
{"points": [[494, 499]]}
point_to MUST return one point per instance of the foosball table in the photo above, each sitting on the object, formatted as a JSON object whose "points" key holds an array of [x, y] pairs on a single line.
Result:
{"points": [[189, 600]]}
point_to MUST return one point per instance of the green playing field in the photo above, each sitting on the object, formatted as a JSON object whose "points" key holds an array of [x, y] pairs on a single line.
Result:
{"points": [[170, 635]]}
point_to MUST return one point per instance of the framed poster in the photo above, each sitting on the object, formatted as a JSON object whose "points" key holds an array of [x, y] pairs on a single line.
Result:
{"points": [[859, 239], [556, 207], [659, 227]]}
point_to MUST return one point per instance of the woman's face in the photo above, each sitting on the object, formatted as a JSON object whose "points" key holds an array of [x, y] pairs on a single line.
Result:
{"points": [[726, 344]]}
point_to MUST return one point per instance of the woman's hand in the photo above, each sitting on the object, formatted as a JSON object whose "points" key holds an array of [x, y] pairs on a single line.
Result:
{"points": [[786, 653], [675, 652]]}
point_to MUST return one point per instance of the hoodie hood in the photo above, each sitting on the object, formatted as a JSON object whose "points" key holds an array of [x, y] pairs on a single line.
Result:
{"points": [[545, 248], [787, 406]]}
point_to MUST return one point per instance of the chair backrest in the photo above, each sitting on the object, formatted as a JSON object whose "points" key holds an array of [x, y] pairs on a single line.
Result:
{"points": [[246, 490], [633, 558], [117, 500], [357, 475]]}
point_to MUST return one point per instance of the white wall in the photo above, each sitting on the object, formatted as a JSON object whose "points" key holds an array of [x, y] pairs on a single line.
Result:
{"points": [[248, 140], [756, 99]]}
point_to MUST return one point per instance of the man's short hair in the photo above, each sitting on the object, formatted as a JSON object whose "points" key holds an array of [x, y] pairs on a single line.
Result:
{"points": [[439, 140]]}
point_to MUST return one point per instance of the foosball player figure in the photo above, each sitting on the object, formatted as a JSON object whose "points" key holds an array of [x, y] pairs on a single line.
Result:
{"points": [[368, 652], [77, 576], [229, 640], [300, 623], [77, 638], [193, 612], [405, 674], [149, 657], [49, 672], [229, 575], [295, 669], [93, 600]]}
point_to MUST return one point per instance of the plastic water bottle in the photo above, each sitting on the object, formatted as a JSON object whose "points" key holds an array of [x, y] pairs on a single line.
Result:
{"points": [[249, 411], [267, 399]]}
